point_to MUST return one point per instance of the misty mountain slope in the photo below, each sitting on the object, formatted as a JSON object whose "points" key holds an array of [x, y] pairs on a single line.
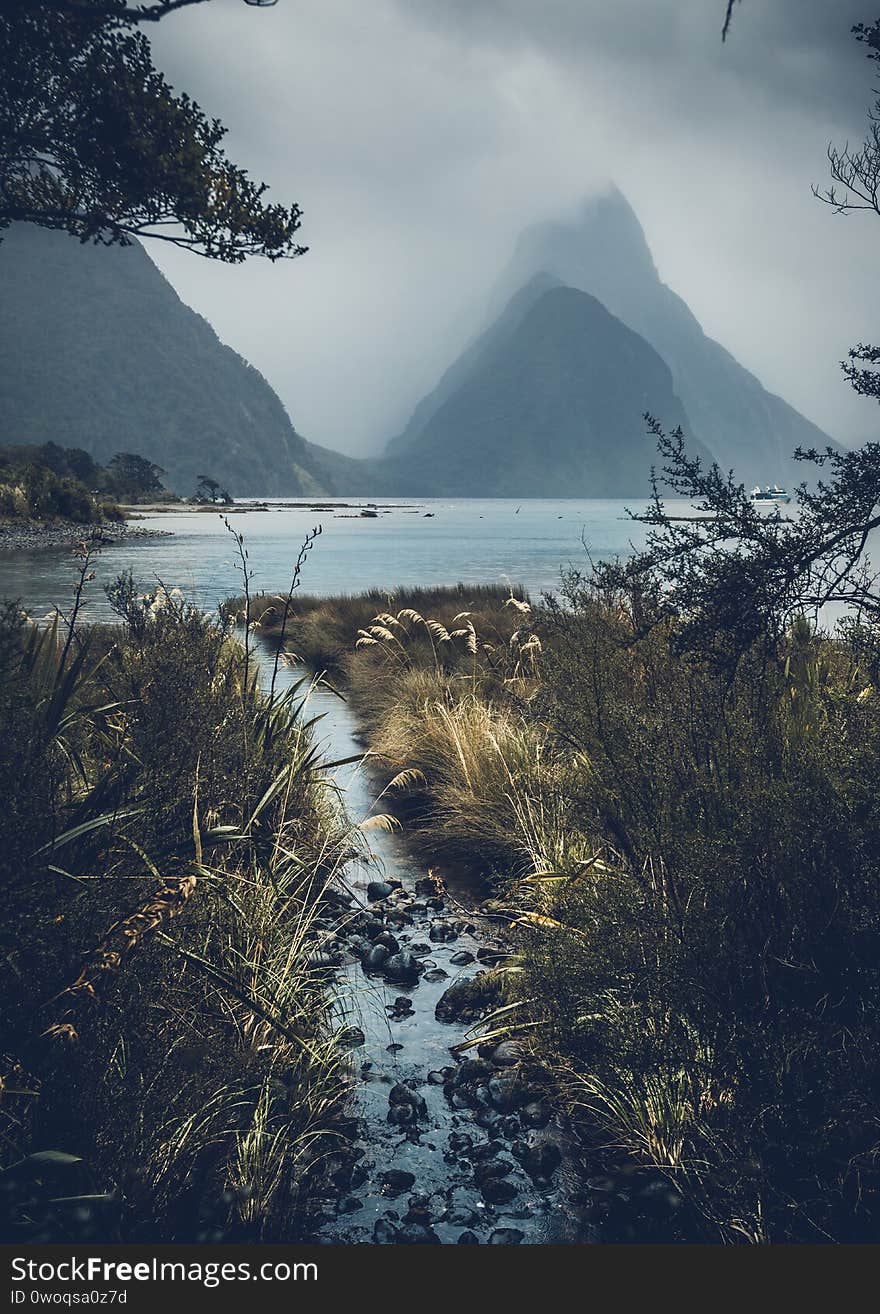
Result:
{"points": [[507, 320], [548, 405], [605, 253], [98, 351]]}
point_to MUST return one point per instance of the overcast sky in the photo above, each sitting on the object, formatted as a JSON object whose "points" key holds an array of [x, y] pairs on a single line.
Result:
{"points": [[420, 137]]}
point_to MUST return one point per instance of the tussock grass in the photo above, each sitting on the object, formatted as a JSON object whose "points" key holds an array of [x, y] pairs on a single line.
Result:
{"points": [[167, 838], [689, 863]]}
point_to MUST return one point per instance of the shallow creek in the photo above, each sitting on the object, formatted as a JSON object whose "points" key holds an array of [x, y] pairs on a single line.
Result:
{"points": [[438, 1157]]}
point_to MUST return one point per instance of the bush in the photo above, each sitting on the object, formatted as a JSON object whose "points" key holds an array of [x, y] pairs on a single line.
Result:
{"points": [[166, 842]]}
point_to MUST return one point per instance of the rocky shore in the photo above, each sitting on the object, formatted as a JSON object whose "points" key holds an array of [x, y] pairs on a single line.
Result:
{"points": [[37, 536]]}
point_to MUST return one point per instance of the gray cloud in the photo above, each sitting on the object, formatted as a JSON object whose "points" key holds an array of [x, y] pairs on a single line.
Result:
{"points": [[420, 136]]}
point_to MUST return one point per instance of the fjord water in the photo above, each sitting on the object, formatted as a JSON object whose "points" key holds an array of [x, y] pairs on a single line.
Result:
{"points": [[434, 541]]}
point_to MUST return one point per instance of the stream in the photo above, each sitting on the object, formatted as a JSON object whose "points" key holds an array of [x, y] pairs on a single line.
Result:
{"points": [[448, 1149]]}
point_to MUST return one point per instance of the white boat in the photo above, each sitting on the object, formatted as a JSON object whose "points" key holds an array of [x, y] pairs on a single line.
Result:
{"points": [[770, 495]]}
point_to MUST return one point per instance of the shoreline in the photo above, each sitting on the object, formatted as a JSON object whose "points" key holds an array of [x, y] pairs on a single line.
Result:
{"points": [[35, 536]]}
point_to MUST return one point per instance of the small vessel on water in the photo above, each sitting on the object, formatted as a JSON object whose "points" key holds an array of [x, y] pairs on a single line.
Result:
{"points": [[772, 493]]}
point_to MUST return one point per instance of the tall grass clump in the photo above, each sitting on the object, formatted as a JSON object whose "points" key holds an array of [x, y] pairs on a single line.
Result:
{"points": [[709, 988], [168, 839]]}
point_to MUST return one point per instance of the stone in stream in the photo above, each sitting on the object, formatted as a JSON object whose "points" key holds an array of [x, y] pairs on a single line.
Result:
{"points": [[541, 1160], [438, 1077], [417, 1234], [387, 940], [406, 1105], [376, 959], [498, 1190], [506, 1236], [395, 1181], [507, 1090], [468, 1239], [384, 1232], [465, 1001], [377, 890], [486, 1169], [352, 1036], [461, 958], [461, 1216], [349, 1204], [403, 967], [401, 1007], [436, 974], [442, 932]]}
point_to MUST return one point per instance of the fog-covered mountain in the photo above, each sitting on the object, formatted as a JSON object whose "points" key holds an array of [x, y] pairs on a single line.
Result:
{"points": [[549, 402], [98, 351], [604, 252]]}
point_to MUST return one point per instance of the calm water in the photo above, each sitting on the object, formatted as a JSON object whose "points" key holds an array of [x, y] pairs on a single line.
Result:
{"points": [[470, 540]]}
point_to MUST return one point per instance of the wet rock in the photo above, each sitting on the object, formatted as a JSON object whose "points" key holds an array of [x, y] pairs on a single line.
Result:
{"points": [[460, 1142], [461, 958], [436, 974], [470, 1070], [439, 1076], [542, 1160], [507, 1053], [506, 1236], [468, 1239], [394, 1047], [417, 1234], [492, 956], [349, 1204], [488, 1119], [485, 1150], [395, 1181], [461, 1216], [465, 1001], [419, 1210], [420, 950], [403, 967], [442, 932], [535, 1114], [498, 1190], [377, 890], [352, 1037], [375, 960], [402, 1098], [387, 939], [506, 1091], [402, 1007], [491, 1168], [384, 1233]]}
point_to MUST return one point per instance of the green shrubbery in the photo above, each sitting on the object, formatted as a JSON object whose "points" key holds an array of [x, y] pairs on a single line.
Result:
{"points": [[50, 482], [165, 841]]}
